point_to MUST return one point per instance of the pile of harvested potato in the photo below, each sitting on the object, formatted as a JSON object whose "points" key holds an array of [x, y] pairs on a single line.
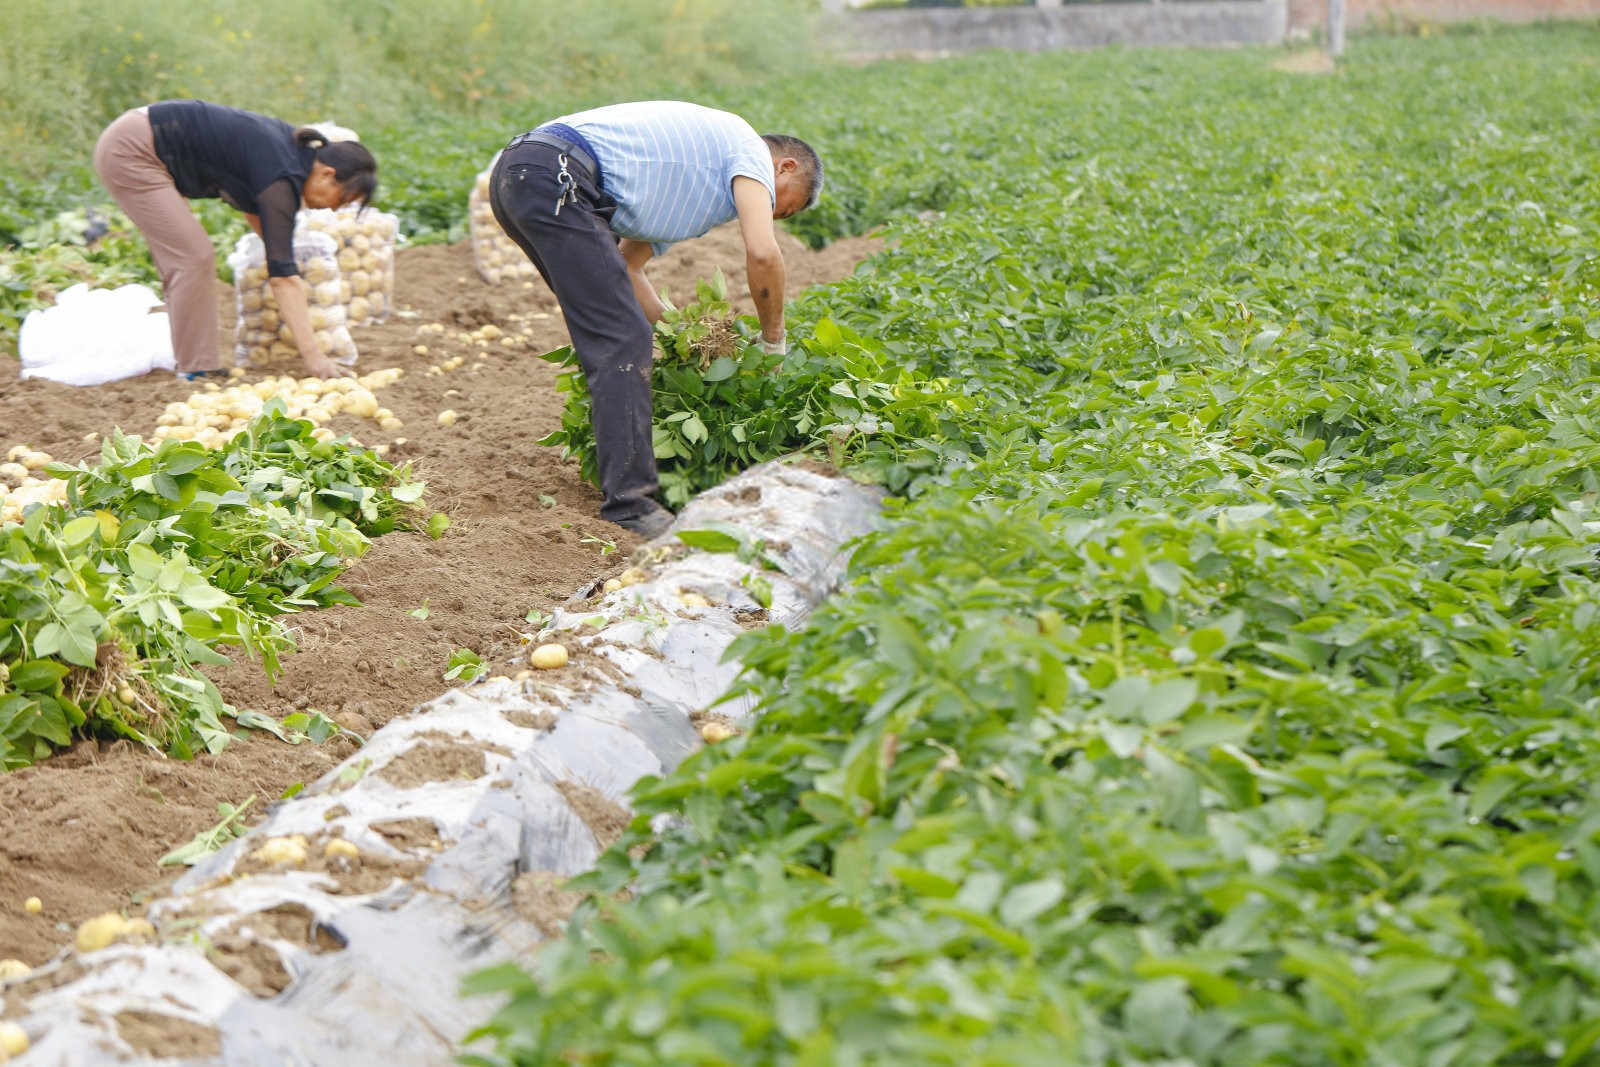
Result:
{"points": [[261, 337], [212, 417], [497, 256], [365, 243], [23, 482]]}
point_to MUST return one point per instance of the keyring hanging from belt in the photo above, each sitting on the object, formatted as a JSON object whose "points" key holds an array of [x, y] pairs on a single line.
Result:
{"points": [[568, 187]]}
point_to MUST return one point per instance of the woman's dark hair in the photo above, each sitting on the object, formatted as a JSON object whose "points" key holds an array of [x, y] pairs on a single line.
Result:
{"points": [[353, 166]]}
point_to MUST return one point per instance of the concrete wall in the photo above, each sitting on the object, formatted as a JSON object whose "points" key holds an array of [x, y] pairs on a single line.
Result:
{"points": [[948, 30], [1311, 14]]}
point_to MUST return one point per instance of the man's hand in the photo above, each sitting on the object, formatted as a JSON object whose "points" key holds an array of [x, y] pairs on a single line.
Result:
{"points": [[763, 260]]}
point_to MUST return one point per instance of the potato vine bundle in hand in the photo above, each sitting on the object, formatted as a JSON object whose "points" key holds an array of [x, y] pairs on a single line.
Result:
{"points": [[721, 404], [109, 605]]}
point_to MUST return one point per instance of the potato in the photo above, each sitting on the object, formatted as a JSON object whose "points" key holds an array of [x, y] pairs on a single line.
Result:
{"points": [[712, 732], [339, 848], [362, 404], [13, 1039], [10, 969], [447, 417], [96, 933], [548, 657], [282, 851]]}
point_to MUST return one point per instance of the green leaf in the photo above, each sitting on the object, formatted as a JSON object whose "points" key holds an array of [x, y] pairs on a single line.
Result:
{"points": [[710, 540], [38, 676], [1026, 902], [80, 530]]}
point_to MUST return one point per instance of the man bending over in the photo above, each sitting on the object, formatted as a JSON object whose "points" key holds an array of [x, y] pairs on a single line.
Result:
{"points": [[650, 174]]}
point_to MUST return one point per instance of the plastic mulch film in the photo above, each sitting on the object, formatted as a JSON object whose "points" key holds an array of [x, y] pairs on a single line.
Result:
{"points": [[261, 338], [339, 930], [498, 258], [365, 246]]}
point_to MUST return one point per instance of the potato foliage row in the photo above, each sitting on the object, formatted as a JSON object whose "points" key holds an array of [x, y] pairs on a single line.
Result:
{"points": [[110, 605], [1224, 686]]}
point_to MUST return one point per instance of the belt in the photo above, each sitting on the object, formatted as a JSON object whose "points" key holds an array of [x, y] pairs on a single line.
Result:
{"points": [[575, 152]]}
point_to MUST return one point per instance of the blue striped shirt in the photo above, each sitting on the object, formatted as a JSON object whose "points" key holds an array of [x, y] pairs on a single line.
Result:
{"points": [[670, 166]]}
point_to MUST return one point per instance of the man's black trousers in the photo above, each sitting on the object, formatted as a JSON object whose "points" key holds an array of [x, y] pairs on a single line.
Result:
{"points": [[577, 255]]}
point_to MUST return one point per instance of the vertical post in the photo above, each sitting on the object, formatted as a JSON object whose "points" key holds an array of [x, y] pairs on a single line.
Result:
{"points": [[1335, 28]]}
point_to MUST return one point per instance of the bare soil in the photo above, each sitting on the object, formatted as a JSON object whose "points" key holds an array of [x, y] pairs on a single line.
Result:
{"points": [[83, 830]]}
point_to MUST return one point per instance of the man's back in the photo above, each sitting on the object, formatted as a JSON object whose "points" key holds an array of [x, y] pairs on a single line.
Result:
{"points": [[670, 165]]}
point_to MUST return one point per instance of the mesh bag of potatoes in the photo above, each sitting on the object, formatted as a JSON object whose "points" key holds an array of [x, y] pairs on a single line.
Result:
{"points": [[365, 241], [497, 256], [261, 337]]}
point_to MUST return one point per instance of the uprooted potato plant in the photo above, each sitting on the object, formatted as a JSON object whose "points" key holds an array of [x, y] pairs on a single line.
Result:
{"points": [[158, 556]]}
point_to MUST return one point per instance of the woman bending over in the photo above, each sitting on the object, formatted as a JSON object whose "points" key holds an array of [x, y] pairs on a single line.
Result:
{"points": [[153, 159]]}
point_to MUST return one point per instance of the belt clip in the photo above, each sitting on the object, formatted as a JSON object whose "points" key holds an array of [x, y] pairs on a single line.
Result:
{"points": [[564, 182]]}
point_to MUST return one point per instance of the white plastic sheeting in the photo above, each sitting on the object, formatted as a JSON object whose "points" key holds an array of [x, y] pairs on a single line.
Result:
{"points": [[93, 336], [374, 969]]}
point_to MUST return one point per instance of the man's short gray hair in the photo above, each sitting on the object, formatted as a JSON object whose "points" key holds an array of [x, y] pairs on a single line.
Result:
{"points": [[785, 145]]}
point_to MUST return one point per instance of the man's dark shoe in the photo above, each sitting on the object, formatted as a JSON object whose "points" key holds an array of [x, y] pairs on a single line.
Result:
{"points": [[651, 524]]}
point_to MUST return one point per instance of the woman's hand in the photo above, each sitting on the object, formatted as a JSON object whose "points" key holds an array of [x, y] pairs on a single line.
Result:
{"points": [[320, 366], [291, 296]]}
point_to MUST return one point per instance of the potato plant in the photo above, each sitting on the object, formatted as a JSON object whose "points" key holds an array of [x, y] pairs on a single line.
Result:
{"points": [[160, 555], [722, 404]]}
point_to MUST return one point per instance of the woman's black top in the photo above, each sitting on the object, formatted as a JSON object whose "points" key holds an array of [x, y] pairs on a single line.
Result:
{"points": [[252, 162]]}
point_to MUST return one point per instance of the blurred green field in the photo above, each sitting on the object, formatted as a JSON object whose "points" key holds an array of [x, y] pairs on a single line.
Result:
{"points": [[432, 79]]}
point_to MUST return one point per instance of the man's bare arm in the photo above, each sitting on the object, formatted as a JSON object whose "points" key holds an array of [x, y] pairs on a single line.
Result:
{"points": [[763, 260], [636, 254]]}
